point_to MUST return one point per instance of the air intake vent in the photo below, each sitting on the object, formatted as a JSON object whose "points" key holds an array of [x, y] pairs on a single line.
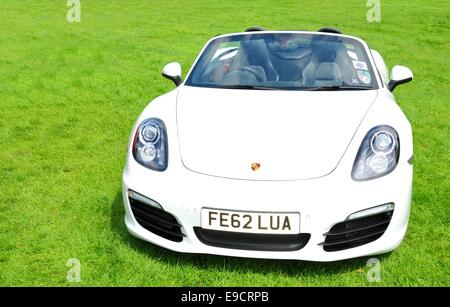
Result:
{"points": [[156, 221], [356, 232], [251, 241]]}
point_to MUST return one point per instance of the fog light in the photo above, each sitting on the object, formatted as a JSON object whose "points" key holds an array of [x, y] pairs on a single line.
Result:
{"points": [[371, 211]]}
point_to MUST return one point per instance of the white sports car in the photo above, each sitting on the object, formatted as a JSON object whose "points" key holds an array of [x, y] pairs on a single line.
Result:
{"points": [[278, 144]]}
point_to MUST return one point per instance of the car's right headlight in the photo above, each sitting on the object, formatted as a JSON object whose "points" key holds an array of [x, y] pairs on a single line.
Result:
{"points": [[150, 144], [378, 154]]}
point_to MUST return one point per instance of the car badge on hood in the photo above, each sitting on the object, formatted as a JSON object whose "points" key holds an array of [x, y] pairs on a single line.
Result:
{"points": [[256, 166]]}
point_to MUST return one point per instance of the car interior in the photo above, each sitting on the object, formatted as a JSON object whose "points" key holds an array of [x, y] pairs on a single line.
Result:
{"points": [[324, 61]]}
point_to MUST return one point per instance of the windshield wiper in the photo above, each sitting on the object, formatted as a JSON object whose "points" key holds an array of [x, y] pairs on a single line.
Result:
{"points": [[250, 87], [338, 87]]}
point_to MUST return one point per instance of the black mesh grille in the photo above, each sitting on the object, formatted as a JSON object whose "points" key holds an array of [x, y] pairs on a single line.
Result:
{"points": [[251, 241], [353, 233], [156, 221]]}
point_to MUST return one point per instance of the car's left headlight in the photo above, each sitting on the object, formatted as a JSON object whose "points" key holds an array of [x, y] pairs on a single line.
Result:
{"points": [[377, 155], [150, 144]]}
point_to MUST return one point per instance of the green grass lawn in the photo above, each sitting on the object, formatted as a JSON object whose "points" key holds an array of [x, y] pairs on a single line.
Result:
{"points": [[70, 93]]}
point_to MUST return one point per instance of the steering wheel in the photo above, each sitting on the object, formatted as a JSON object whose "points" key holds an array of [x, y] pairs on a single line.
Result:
{"points": [[207, 74], [260, 77]]}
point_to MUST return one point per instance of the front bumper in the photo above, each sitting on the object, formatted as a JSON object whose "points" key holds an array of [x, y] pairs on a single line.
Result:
{"points": [[321, 202]]}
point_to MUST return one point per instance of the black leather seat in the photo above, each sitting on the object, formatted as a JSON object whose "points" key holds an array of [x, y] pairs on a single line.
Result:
{"points": [[328, 74], [328, 52], [256, 53]]}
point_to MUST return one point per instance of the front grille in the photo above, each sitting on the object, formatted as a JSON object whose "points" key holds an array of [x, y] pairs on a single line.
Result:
{"points": [[156, 221], [356, 232], [250, 241]]}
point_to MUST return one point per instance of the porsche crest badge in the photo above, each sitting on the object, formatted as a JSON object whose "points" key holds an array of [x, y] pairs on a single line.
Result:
{"points": [[256, 166]]}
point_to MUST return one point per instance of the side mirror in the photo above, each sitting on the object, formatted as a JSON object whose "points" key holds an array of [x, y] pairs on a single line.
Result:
{"points": [[399, 75], [172, 71]]}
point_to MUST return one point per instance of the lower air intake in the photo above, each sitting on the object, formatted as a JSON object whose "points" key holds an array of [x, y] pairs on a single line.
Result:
{"points": [[250, 241], [356, 232], [156, 221]]}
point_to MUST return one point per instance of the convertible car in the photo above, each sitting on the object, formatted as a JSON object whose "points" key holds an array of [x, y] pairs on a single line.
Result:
{"points": [[277, 144]]}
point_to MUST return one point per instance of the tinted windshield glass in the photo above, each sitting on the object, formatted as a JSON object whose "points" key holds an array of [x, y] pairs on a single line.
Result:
{"points": [[284, 61]]}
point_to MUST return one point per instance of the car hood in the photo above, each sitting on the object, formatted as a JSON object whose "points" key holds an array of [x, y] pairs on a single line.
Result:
{"points": [[284, 135]]}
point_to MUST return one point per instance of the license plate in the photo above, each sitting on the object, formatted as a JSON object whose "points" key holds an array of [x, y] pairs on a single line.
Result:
{"points": [[250, 222]]}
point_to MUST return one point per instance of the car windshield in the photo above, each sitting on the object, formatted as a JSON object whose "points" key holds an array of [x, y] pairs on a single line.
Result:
{"points": [[284, 61]]}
